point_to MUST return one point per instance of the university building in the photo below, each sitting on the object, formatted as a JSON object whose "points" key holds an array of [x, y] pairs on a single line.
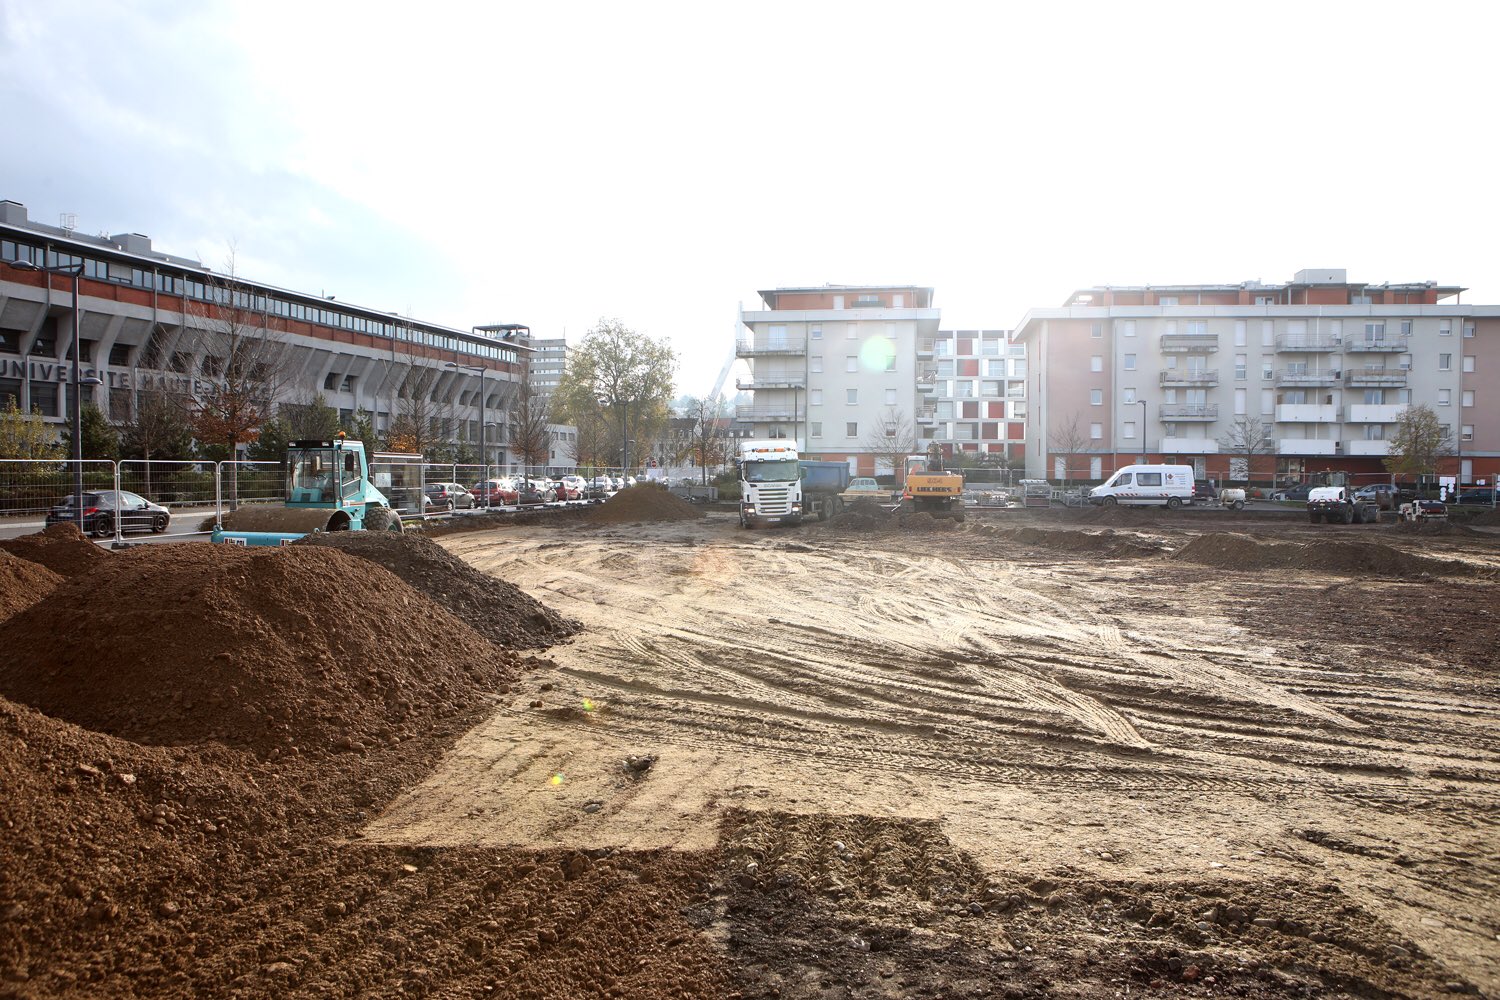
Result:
{"points": [[1322, 365], [837, 367], [140, 310]]}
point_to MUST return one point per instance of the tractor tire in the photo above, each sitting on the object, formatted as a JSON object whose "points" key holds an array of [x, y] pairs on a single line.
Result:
{"points": [[958, 516], [1359, 514], [1316, 516], [383, 519], [1173, 503], [1346, 516]]}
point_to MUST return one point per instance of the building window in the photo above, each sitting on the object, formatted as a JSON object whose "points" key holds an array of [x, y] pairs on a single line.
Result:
{"points": [[815, 332], [1468, 329], [852, 332], [1239, 333], [1096, 397], [329, 380], [1096, 431], [851, 363], [1468, 362], [851, 396], [1359, 300], [1445, 328], [995, 368], [1127, 395], [890, 362], [1129, 432], [1467, 399], [1130, 362], [1267, 369], [1374, 332], [890, 397], [1128, 328], [1196, 327], [815, 428], [1374, 432], [1096, 363], [1445, 397], [1406, 328], [1467, 432], [1445, 362], [1167, 300], [1267, 333], [1241, 367], [815, 364], [815, 397], [1096, 331], [851, 429]]}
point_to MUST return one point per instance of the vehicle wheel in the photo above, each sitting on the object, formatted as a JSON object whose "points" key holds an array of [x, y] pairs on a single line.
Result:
{"points": [[959, 516], [1315, 516], [1173, 503], [383, 519], [104, 527], [1359, 514], [451, 506], [1346, 516], [1238, 505], [1111, 502], [158, 524]]}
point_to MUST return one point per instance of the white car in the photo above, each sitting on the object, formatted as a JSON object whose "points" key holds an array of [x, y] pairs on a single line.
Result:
{"points": [[619, 484], [576, 484]]}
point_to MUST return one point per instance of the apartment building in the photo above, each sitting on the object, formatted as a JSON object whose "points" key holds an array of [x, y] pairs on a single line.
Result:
{"points": [[549, 361], [1322, 364], [138, 309], [971, 395], [833, 367]]}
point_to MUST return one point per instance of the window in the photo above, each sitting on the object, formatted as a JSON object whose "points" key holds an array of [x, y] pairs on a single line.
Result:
{"points": [[1127, 395], [995, 368], [1374, 332], [1445, 397], [1267, 402], [1096, 397], [946, 369], [1096, 468], [815, 332], [1167, 300], [1267, 333], [1241, 366], [890, 362], [1096, 331], [1267, 369], [349, 381], [776, 337], [851, 396], [1196, 327], [1129, 431], [1467, 399], [815, 397], [1445, 362], [329, 380], [838, 302], [1239, 402], [851, 363], [1265, 300], [1468, 362], [1128, 328], [897, 301], [1096, 363], [1130, 362], [1374, 432], [1239, 333], [1359, 300], [1467, 432], [851, 429], [1445, 328], [945, 410], [989, 388], [1374, 397], [815, 364], [890, 397], [1468, 329], [852, 332], [1096, 431], [815, 428], [1406, 328], [1148, 478]]}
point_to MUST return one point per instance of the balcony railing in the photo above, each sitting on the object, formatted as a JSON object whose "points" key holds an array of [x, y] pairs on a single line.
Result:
{"points": [[1178, 411], [1369, 376], [1189, 376], [772, 382], [1296, 376], [771, 347], [1188, 343], [926, 413], [1359, 345], [1288, 342], [774, 411]]}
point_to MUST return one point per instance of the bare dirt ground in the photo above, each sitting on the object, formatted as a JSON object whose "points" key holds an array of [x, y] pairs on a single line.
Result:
{"points": [[957, 763]]}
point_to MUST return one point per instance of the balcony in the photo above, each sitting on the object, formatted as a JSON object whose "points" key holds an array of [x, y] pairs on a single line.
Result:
{"points": [[1322, 344], [1367, 447], [769, 411], [1373, 413], [1178, 411], [926, 414], [1306, 413], [925, 346], [1361, 345], [1188, 343], [772, 382], [1375, 377], [1190, 376], [1296, 377], [1306, 446], [1189, 446], [769, 347]]}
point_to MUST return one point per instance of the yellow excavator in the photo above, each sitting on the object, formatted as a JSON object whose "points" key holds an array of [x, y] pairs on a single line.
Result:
{"points": [[931, 487]]}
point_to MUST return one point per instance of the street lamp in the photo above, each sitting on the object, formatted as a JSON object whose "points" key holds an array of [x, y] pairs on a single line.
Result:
{"points": [[1143, 430], [73, 271], [484, 454]]}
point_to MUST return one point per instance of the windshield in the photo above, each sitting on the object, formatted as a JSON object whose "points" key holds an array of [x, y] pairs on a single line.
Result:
{"points": [[309, 475], [781, 471]]}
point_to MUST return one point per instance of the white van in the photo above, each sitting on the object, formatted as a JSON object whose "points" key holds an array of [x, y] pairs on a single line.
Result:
{"points": [[1147, 486]]}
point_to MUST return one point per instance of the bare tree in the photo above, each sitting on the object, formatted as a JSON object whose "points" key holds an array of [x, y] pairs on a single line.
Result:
{"points": [[158, 428], [1419, 443], [414, 428], [890, 439], [530, 416], [1068, 438], [590, 447], [1248, 436], [706, 447]]}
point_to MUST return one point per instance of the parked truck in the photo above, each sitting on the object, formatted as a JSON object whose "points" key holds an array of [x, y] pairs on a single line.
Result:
{"points": [[328, 488], [777, 487], [1338, 505]]}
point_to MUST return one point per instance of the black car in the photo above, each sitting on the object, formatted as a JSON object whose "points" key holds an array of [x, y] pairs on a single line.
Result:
{"points": [[136, 514], [1484, 498], [1299, 492], [1205, 491]]}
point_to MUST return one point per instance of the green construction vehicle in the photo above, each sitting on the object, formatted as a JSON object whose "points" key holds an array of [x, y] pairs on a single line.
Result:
{"points": [[327, 489]]}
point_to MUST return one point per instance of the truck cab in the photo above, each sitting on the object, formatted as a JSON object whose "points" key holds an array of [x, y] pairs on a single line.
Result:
{"points": [[770, 483]]}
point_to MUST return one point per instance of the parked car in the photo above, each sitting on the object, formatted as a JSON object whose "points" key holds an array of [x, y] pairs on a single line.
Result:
{"points": [[136, 514], [543, 490], [1205, 492], [619, 484], [569, 487], [864, 488], [495, 492], [1482, 497], [1382, 495], [1296, 493], [603, 484], [629, 480], [448, 496]]}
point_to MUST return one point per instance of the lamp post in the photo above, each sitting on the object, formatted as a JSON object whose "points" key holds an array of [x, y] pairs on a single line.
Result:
{"points": [[484, 455], [1143, 430], [73, 271]]}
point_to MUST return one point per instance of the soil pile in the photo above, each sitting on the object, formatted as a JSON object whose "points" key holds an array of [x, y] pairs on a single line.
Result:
{"points": [[297, 646], [864, 515], [23, 583], [1104, 543], [642, 503], [61, 548], [501, 612], [1234, 551]]}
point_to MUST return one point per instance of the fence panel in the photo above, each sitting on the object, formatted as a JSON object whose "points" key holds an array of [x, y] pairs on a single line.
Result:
{"points": [[185, 489], [31, 488], [399, 477]]}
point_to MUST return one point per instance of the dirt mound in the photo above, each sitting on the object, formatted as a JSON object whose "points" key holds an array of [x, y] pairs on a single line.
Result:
{"points": [[61, 548], [495, 609], [1234, 551], [23, 583], [1487, 519], [302, 645], [865, 516], [1095, 543], [642, 503]]}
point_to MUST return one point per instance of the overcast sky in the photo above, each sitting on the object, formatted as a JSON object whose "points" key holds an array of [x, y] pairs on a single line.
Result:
{"points": [[552, 164]]}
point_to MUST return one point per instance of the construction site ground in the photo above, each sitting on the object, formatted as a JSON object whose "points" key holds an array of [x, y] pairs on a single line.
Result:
{"points": [[1036, 754]]}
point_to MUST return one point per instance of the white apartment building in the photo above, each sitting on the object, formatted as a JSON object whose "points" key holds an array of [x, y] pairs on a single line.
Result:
{"points": [[1169, 373], [832, 365], [549, 360]]}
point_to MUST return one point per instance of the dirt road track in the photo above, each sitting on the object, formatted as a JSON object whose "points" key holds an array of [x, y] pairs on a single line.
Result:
{"points": [[1151, 730]]}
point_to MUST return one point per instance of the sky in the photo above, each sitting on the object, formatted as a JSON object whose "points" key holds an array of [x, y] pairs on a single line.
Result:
{"points": [[659, 163]]}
